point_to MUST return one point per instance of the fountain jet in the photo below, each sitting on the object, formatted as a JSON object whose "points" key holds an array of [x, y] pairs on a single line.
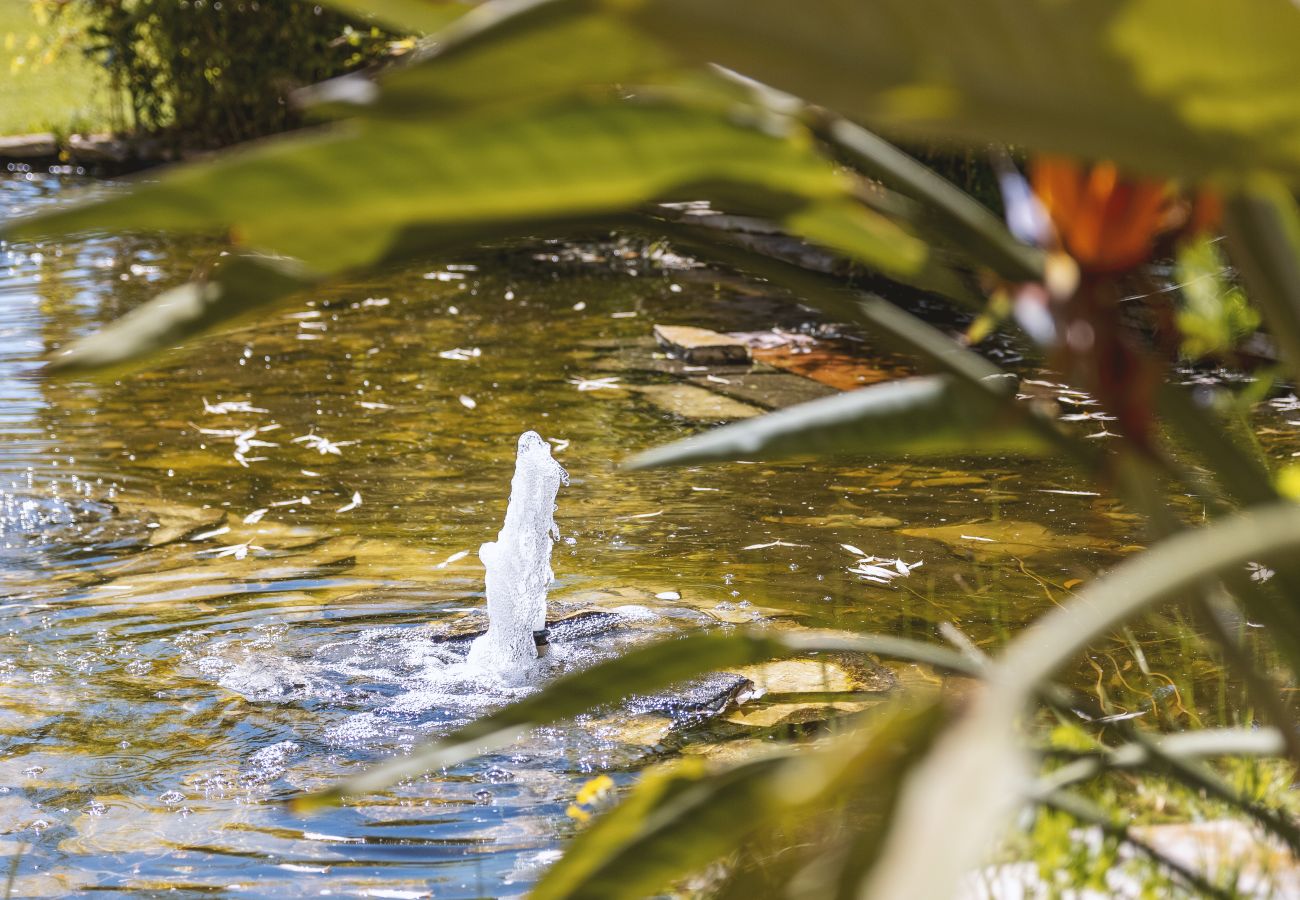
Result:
{"points": [[518, 563]]}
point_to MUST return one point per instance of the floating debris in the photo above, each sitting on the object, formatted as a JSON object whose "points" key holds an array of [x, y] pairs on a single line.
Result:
{"points": [[372, 404], [245, 440], [454, 558], [255, 516], [467, 401], [772, 544], [304, 500], [322, 444], [880, 570], [608, 383], [1259, 572], [355, 502], [668, 595], [238, 551], [1069, 493], [216, 532], [461, 354], [559, 444], [226, 407]]}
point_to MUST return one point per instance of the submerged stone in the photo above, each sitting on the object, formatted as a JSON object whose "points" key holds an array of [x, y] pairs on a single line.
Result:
{"points": [[1008, 538], [700, 345]]}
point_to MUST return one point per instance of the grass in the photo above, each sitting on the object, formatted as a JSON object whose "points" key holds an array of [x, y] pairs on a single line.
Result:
{"points": [[45, 83]]}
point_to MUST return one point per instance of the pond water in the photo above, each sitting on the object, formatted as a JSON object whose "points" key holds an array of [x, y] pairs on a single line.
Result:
{"points": [[228, 577]]}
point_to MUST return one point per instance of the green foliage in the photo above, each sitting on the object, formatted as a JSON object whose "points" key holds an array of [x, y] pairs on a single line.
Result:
{"points": [[1218, 95], [914, 416], [1215, 314], [41, 88], [208, 74], [552, 113]]}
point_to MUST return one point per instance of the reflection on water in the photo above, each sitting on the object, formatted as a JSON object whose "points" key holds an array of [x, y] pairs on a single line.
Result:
{"points": [[233, 576]]}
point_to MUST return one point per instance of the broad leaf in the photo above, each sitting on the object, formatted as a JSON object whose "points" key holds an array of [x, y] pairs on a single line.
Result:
{"points": [[681, 818], [1182, 87], [644, 670], [239, 285], [926, 415], [409, 16], [975, 778], [500, 171], [1264, 234]]}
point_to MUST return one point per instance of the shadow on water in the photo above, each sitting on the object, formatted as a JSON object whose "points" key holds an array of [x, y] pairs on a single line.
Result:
{"points": [[234, 576]]}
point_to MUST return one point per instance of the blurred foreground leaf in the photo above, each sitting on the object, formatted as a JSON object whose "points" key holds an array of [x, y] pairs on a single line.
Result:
{"points": [[643, 670], [1189, 88], [927, 415], [410, 16], [1263, 223], [239, 285], [968, 788], [339, 200], [688, 813]]}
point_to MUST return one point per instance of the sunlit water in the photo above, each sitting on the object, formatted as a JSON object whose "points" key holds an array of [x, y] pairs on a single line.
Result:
{"points": [[164, 682]]}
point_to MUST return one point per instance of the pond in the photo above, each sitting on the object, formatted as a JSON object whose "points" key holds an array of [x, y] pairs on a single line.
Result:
{"points": [[223, 577]]}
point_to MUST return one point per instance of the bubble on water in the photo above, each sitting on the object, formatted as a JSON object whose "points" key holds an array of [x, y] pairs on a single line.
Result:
{"points": [[171, 798], [483, 797], [269, 763]]}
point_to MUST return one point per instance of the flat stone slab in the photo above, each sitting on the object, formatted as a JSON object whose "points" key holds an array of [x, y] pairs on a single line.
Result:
{"points": [[696, 403], [700, 345], [23, 146], [770, 390]]}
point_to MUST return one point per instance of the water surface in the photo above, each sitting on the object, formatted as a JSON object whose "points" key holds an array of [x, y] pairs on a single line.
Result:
{"points": [[164, 683]]}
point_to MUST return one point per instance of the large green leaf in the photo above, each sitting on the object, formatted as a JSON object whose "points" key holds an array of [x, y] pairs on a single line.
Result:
{"points": [[519, 53], [410, 16], [926, 415], [681, 818], [1185, 87], [240, 284], [975, 778], [338, 200], [1264, 234], [643, 670]]}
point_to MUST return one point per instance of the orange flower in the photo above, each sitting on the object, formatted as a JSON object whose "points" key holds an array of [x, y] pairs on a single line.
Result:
{"points": [[1108, 223]]}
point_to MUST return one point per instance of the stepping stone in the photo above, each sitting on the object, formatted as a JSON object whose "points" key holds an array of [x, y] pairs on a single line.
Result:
{"points": [[700, 346], [696, 403]]}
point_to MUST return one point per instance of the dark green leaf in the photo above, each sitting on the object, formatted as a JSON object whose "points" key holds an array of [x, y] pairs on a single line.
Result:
{"points": [[1263, 224], [504, 170], [1181, 87], [240, 285], [981, 760], [409, 16], [931, 415], [683, 818], [644, 670]]}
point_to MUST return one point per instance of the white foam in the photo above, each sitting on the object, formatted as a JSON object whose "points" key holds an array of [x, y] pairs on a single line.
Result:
{"points": [[518, 564]]}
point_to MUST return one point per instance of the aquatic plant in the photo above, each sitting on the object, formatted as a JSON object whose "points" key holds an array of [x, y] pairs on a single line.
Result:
{"points": [[574, 116]]}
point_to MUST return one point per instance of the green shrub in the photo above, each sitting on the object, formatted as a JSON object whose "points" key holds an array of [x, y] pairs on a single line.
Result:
{"points": [[207, 73]]}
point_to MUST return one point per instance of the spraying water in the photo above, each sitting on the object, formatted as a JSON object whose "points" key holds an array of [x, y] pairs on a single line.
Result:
{"points": [[518, 563]]}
